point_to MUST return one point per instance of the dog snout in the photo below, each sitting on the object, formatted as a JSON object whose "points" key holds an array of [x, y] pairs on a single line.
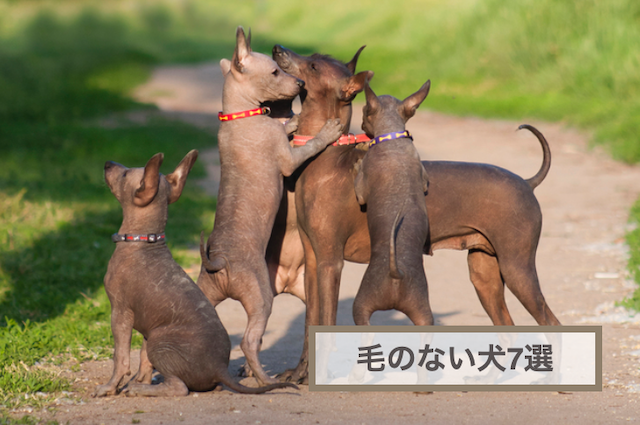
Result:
{"points": [[278, 50], [300, 83], [109, 165]]}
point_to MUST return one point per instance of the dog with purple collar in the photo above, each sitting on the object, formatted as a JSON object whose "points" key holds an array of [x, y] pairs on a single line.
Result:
{"points": [[391, 182]]}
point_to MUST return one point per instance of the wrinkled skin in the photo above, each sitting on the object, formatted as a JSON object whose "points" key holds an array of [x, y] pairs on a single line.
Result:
{"points": [[183, 336], [484, 209], [392, 182], [254, 155]]}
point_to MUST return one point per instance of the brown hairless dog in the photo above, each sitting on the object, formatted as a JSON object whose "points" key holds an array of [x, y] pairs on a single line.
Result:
{"points": [[183, 336], [392, 182], [484, 209], [254, 155]]}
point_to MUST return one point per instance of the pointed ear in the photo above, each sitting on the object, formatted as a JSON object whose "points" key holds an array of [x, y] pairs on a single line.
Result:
{"points": [[352, 63], [355, 85], [150, 182], [178, 178], [225, 66], [411, 103], [359, 183], [243, 48], [372, 99]]}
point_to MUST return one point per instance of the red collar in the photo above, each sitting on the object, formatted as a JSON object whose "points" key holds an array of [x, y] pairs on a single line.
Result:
{"points": [[244, 114], [150, 238], [345, 139]]}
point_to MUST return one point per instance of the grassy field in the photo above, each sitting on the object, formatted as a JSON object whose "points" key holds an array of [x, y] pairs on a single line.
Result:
{"points": [[64, 65]]}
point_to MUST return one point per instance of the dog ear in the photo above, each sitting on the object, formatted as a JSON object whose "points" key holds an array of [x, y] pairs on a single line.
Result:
{"points": [[225, 66], [243, 49], [411, 103], [355, 85], [359, 184], [352, 63], [150, 182], [372, 99], [178, 178]]}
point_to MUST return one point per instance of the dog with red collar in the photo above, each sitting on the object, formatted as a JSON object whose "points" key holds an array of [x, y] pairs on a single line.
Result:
{"points": [[255, 155], [183, 337]]}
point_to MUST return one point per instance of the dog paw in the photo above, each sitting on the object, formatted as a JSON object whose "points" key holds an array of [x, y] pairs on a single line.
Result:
{"points": [[294, 376], [245, 371], [104, 391], [292, 125], [331, 131]]}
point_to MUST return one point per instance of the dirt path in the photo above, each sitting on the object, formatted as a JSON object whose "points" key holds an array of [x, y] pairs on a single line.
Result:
{"points": [[581, 262]]}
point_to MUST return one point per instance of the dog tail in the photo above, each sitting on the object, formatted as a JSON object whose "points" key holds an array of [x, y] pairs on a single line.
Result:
{"points": [[211, 266], [237, 387], [546, 157], [394, 270]]}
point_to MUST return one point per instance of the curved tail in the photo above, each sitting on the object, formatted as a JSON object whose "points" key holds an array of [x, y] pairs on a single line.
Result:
{"points": [[211, 266], [237, 387], [394, 270], [546, 157]]}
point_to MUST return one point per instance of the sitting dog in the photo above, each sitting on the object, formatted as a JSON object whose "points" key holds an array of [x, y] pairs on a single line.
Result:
{"points": [[392, 182], [183, 336], [255, 154]]}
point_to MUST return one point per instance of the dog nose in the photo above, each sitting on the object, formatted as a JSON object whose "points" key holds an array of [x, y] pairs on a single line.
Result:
{"points": [[277, 49], [300, 83], [108, 165]]}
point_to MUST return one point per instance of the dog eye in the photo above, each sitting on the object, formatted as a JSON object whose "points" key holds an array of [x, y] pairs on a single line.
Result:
{"points": [[313, 66], [275, 72]]}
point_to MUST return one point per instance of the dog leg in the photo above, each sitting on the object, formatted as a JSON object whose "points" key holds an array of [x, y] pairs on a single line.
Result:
{"points": [[523, 282], [258, 309], [485, 276], [121, 326], [145, 371], [312, 316], [328, 292]]}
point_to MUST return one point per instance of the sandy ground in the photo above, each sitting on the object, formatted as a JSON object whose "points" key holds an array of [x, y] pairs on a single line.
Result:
{"points": [[581, 263]]}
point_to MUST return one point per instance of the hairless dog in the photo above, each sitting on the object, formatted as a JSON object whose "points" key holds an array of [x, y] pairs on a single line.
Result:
{"points": [[392, 182], [484, 209], [254, 155], [183, 336]]}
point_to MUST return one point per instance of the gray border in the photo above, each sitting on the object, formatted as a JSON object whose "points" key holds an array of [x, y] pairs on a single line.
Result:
{"points": [[597, 330]]}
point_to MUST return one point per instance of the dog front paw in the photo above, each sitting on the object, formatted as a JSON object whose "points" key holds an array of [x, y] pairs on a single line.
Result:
{"points": [[331, 131], [292, 125]]}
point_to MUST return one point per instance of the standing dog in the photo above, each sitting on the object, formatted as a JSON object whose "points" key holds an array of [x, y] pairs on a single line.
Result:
{"points": [[183, 336], [484, 209], [254, 155], [392, 182]]}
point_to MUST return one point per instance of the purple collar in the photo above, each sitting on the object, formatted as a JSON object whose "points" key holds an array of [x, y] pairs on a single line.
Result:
{"points": [[391, 136], [150, 238]]}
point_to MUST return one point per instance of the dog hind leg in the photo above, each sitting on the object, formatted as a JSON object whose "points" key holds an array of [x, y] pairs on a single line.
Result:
{"points": [[485, 276]]}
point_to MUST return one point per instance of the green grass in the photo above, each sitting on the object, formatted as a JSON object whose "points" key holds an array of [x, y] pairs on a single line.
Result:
{"points": [[66, 64]]}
